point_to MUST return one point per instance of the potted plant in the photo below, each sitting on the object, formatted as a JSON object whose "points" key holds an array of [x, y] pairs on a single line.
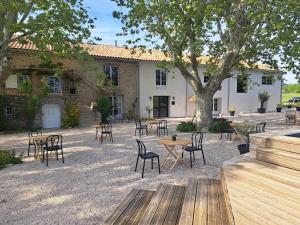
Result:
{"points": [[174, 137], [244, 130], [278, 107], [298, 106], [231, 110], [263, 97], [149, 109], [289, 106]]}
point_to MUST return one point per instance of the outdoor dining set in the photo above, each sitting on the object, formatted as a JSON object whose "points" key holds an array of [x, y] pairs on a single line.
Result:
{"points": [[44, 145]]}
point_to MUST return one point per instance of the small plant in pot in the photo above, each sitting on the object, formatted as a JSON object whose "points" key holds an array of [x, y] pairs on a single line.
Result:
{"points": [[289, 106], [298, 106], [231, 110], [174, 136], [263, 97], [149, 109], [278, 107]]}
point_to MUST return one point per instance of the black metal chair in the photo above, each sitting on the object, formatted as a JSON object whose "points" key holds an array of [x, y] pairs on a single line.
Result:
{"points": [[31, 142], [260, 127], [143, 154], [229, 131], [140, 128], [197, 139], [162, 125], [106, 129], [53, 143]]}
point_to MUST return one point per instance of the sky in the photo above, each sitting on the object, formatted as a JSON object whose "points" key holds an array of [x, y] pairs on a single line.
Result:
{"points": [[107, 27]]}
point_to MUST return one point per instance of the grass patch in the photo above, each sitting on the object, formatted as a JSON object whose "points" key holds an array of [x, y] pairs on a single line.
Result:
{"points": [[287, 96], [9, 157]]}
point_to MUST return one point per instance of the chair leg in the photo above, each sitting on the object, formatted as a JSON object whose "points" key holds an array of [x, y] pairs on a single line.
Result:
{"points": [[56, 155], [152, 163], [136, 164], [28, 148], [143, 169], [135, 132], [47, 158], [140, 132], [62, 155], [147, 131], [191, 161], [221, 136], [158, 164], [112, 139], [194, 155], [167, 132], [203, 157], [43, 152]]}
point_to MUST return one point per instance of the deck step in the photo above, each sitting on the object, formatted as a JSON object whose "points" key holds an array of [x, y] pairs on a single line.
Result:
{"points": [[203, 203], [284, 143], [165, 206], [131, 209], [260, 193], [279, 157]]}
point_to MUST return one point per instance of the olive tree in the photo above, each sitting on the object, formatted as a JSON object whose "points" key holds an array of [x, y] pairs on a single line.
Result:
{"points": [[61, 24], [234, 34]]}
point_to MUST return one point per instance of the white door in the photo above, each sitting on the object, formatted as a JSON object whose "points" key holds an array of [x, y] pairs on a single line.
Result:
{"points": [[51, 116]]}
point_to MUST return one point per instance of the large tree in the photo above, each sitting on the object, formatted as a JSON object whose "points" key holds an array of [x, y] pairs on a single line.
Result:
{"points": [[61, 24], [235, 34]]}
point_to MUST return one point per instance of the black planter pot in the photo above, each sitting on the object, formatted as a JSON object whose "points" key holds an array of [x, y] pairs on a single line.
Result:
{"points": [[261, 110], [231, 113], [243, 148], [297, 108], [173, 138], [278, 109], [72, 91], [289, 106]]}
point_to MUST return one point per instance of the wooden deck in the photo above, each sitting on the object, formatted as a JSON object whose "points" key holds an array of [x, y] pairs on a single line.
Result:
{"points": [[261, 193]]}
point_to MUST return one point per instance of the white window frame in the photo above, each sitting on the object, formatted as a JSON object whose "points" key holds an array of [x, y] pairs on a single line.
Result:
{"points": [[161, 72], [56, 89], [215, 100], [111, 73], [8, 111], [267, 79], [21, 78]]}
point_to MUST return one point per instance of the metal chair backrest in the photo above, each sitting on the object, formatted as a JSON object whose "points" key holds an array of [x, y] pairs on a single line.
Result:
{"points": [[197, 139], [107, 127], [35, 133], [290, 114], [141, 147], [260, 127], [54, 142], [162, 124], [138, 123]]}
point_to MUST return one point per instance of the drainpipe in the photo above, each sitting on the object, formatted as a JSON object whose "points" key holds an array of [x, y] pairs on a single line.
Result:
{"points": [[138, 90], [228, 95], [186, 97]]}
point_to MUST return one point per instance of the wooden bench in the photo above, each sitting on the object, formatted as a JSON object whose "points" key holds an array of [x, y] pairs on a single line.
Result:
{"points": [[131, 209]]}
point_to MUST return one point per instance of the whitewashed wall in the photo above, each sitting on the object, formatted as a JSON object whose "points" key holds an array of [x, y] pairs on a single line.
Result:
{"points": [[176, 87]]}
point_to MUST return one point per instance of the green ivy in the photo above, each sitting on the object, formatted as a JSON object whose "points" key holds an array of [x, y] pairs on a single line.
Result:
{"points": [[105, 108], [7, 157], [186, 127]]}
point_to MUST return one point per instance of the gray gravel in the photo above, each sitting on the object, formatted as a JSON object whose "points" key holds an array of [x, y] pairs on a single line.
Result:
{"points": [[95, 177]]}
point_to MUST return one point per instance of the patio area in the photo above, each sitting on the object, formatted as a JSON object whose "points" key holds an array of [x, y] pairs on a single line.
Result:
{"points": [[96, 177]]}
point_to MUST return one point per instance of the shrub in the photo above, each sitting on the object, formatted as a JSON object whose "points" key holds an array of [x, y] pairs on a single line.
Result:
{"points": [[218, 125], [71, 115], [7, 157], [105, 108], [186, 127]]}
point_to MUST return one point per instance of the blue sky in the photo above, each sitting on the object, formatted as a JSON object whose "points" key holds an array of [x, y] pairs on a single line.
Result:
{"points": [[107, 27]]}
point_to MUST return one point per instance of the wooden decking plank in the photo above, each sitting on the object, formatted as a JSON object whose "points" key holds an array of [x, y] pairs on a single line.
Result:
{"points": [[174, 211], [188, 207], [139, 213], [223, 211], [123, 205], [161, 213], [280, 203], [131, 208], [227, 199], [153, 205], [201, 204], [213, 214]]}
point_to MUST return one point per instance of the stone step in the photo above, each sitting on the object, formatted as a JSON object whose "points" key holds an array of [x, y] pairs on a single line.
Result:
{"points": [[279, 157]]}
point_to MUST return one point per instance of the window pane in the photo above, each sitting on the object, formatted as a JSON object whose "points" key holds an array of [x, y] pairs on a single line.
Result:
{"points": [[242, 84], [163, 78], [215, 106], [205, 78], [54, 84], [157, 77]]}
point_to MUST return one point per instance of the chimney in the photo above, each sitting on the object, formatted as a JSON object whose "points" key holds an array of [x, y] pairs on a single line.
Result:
{"points": [[116, 43]]}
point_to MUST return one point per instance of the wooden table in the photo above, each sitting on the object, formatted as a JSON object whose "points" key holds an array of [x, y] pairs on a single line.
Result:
{"points": [[172, 152], [38, 140]]}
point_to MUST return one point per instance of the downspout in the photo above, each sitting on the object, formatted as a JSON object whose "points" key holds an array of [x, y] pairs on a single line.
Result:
{"points": [[228, 95], [186, 97], [138, 90]]}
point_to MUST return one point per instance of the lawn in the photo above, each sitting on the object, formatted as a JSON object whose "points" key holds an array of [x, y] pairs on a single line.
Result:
{"points": [[287, 96]]}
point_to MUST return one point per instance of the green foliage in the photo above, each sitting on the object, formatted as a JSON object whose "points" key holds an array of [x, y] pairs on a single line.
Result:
{"points": [[219, 125], [186, 127], [9, 157], [291, 88], [32, 104], [3, 103], [25, 87], [263, 97], [105, 108], [245, 128], [71, 115], [105, 85]]}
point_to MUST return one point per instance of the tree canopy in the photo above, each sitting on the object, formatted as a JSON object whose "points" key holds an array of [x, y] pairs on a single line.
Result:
{"points": [[61, 24], [235, 34]]}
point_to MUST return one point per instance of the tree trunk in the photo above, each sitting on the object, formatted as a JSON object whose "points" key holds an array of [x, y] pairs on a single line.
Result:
{"points": [[203, 110]]}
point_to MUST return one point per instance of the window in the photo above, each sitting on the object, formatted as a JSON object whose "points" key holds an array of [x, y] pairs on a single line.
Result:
{"points": [[161, 78], [267, 80], [8, 111], [116, 102], [22, 79], [242, 82], [215, 105], [54, 84], [205, 78], [112, 74]]}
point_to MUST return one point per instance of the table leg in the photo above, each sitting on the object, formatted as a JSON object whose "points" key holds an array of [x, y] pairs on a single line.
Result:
{"points": [[178, 157]]}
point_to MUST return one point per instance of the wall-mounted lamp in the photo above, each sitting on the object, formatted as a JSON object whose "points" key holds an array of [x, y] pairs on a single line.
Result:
{"points": [[150, 98], [173, 98]]}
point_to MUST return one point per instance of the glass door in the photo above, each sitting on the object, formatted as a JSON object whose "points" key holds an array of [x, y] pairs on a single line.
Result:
{"points": [[160, 106], [116, 102]]}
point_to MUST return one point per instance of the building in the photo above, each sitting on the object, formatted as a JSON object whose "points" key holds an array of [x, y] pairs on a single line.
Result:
{"points": [[140, 84]]}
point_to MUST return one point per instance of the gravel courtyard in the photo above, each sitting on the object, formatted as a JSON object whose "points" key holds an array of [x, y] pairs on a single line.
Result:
{"points": [[96, 177]]}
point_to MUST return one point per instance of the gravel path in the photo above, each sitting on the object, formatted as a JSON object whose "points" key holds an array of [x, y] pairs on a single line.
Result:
{"points": [[94, 178]]}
